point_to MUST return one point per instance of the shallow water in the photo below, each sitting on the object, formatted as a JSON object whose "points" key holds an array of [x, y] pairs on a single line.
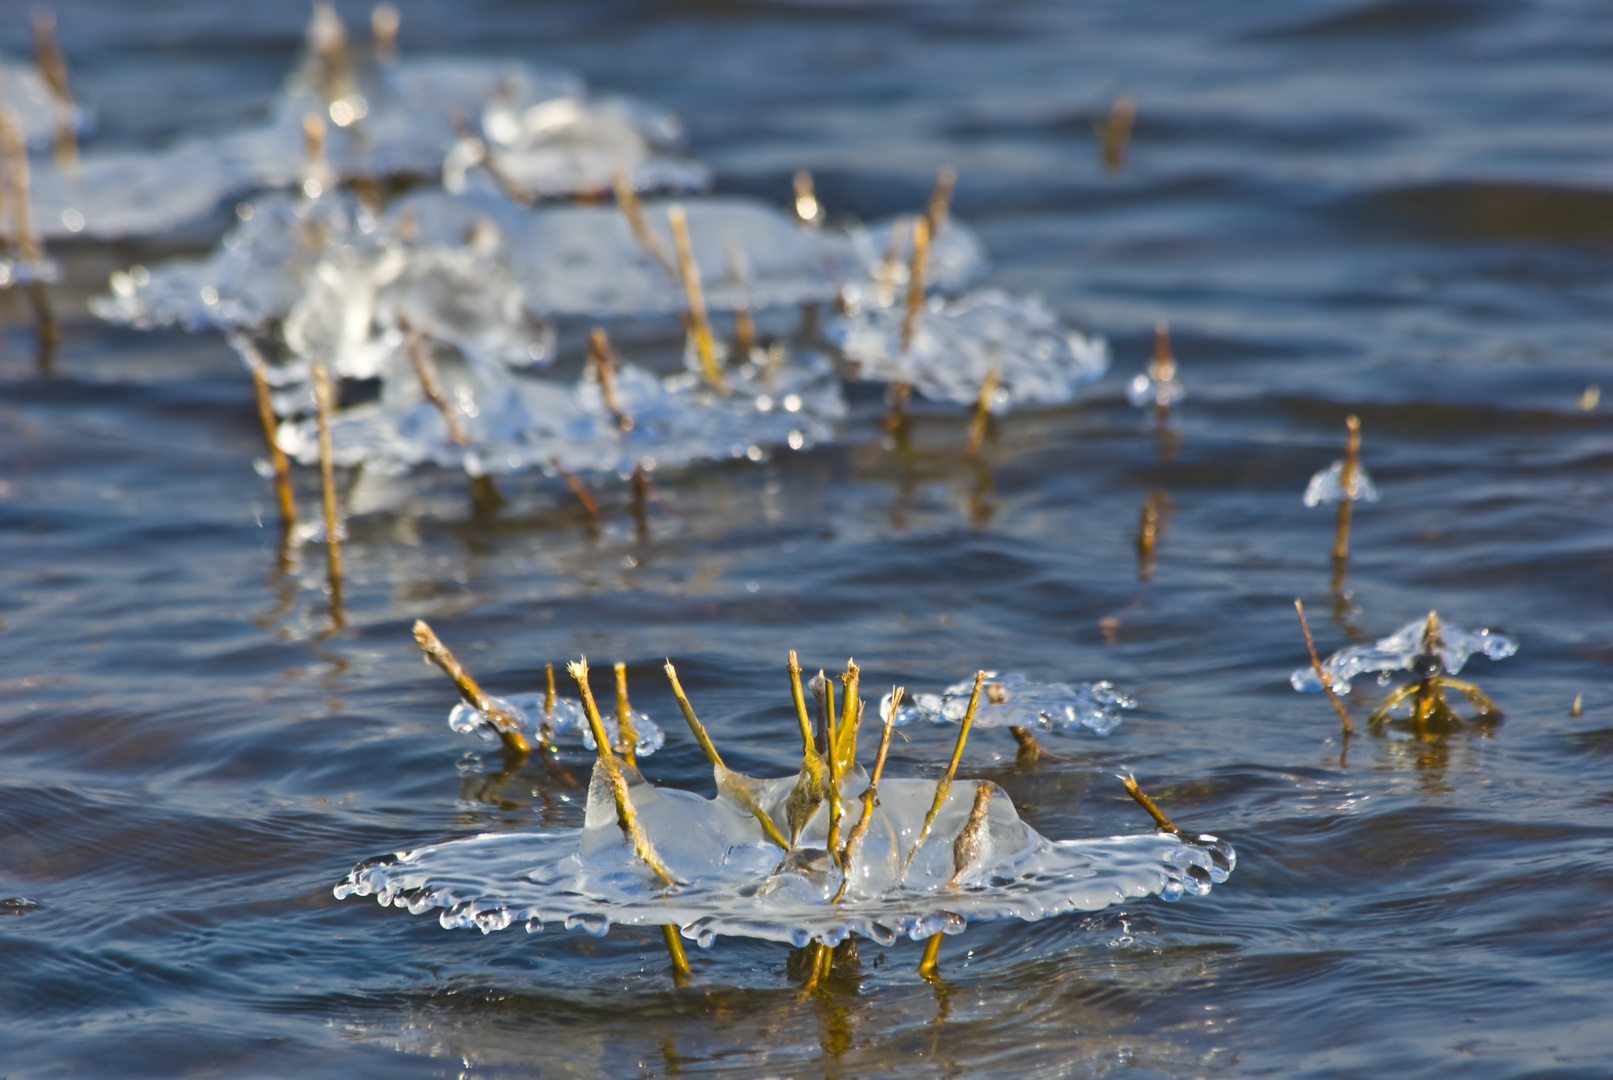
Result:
{"points": [[1394, 209]]}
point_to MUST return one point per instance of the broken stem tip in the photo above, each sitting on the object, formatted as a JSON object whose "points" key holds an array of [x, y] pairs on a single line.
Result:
{"points": [[508, 728]]}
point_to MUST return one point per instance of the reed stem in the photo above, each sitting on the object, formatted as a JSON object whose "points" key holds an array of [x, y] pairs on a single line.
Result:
{"points": [[1316, 666], [626, 815], [1352, 455], [53, 69], [850, 719], [699, 325], [327, 482], [982, 416], [744, 324], [425, 370], [627, 201], [1146, 803], [870, 795], [944, 785], [680, 959], [626, 733], [590, 505], [1115, 132], [932, 952], [935, 213], [504, 722], [277, 456], [603, 364]]}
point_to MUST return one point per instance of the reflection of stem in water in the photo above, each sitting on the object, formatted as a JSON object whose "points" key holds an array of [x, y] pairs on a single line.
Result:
{"points": [[1150, 523], [982, 414], [1316, 666], [981, 505], [327, 481]]}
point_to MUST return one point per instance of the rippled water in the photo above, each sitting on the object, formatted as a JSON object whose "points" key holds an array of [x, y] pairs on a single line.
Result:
{"points": [[1396, 209]]}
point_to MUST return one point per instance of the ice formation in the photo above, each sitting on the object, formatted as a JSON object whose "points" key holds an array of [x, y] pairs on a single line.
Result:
{"points": [[562, 724], [1014, 700], [731, 880], [1398, 651], [1327, 486], [1038, 360]]}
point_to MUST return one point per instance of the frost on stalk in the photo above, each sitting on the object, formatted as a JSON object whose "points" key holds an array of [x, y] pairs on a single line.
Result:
{"points": [[566, 723], [1012, 700], [1038, 360], [1327, 486], [731, 880], [1397, 652]]}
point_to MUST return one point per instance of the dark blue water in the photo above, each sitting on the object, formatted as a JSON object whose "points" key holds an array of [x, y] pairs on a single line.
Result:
{"points": [[1400, 210]]}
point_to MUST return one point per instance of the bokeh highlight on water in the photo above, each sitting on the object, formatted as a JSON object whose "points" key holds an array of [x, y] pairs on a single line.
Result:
{"points": [[1397, 209]]}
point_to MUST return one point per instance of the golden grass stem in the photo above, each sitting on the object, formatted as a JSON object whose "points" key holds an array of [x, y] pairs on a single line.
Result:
{"points": [[504, 722], [831, 730], [800, 705], [915, 282], [680, 959], [850, 719], [1146, 803], [1115, 132], [327, 484], [602, 361], [626, 815], [277, 456], [870, 794], [928, 963], [1352, 455], [53, 69], [425, 369], [944, 785], [982, 414], [744, 324], [699, 325], [627, 201], [727, 782], [590, 505], [641, 501], [1316, 666], [19, 182], [935, 213], [626, 733]]}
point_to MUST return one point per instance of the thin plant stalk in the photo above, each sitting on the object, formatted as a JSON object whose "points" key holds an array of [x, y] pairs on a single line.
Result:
{"points": [[625, 730], [1147, 804], [935, 213], [845, 747], [504, 722], [627, 201], [641, 501], [53, 69], [903, 389], [626, 815], [812, 783], [944, 785], [831, 730], [680, 959], [277, 456], [18, 184], [727, 781], [425, 370], [590, 505], [870, 794], [929, 961], [699, 325], [744, 324], [327, 482], [982, 415], [1316, 666], [603, 364], [1114, 134], [547, 730], [1352, 456]]}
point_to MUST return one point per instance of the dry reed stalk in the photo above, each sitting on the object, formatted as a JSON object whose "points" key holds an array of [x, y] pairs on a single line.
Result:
{"points": [[850, 719], [680, 959], [626, 733], [626, 815], [982, 415], [1115, 132], [1147, 537], [327, 484], [590, 505], [910, 317], [1146, 803], [603, 364], [812, 782], [627, 201], [728, 782], [18, 182], [966, 848], [277, 456], [830, 727], [870, 795], [699, 325], [808, 211], [1352, 457], [935, 212], [503, 721], [944, 785], [384, 21], [641, 501], [53, 69], [1030, 751], [744, 324], [425, 370], [1316, 666], [1575, 709], [932, 953]]}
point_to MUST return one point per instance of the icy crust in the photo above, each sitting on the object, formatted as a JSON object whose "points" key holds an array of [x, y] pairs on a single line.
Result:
{"points": [[871, 262], [732, 881], [29, 99], [567, 724], [1012, 700], [516, 422], [1038, 360], [1397, 651], [1327, 486]]}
